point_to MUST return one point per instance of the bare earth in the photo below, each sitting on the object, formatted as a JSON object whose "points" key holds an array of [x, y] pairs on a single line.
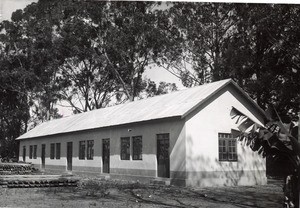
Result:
{"points": [[118, 194]]}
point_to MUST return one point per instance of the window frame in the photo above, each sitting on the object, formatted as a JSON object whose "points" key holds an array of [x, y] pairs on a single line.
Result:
{"points": [[125, 153], [137, 148], [227, 148], [82, 146]]}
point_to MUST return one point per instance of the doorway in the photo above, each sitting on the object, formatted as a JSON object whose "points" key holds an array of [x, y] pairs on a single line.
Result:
{"points": [[69, 155], [163, 158], [43, 155], [24, 153], [105, 155]]}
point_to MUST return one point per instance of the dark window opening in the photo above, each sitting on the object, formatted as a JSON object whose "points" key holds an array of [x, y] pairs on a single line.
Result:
{"points": [[125, 148], [81, 150]]}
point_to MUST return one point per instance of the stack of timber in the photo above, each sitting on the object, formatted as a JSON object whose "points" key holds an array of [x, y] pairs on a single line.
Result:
{"points": [[17, 169], [33, 181]]}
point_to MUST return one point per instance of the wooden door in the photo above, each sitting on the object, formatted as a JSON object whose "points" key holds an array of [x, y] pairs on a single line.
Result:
{"points": [[163, 159], [24, 153], [69, 155], [43, 155], [105, 155]]}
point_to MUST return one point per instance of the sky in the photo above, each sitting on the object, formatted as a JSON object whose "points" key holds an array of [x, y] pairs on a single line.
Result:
{"points": [[9, 6]]}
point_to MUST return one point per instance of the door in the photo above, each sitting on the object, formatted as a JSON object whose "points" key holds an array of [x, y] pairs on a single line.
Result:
{"points": [[69, 155], [105, 155], [43, 155], [24, 153], [163, 159]]}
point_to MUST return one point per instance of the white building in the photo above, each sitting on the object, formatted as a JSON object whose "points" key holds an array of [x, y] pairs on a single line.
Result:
{"points": [[183, 137]]}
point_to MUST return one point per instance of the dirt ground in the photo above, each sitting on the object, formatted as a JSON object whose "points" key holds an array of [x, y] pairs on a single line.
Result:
{"points": [[113, 194]]}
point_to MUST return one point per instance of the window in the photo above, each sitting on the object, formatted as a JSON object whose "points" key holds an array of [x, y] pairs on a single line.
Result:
{"points": [[90, 150], [30, 151], [137, 148], [34, 151], [227, 147], [57, 155], [52, 151], [81, 150], [125, 148]]}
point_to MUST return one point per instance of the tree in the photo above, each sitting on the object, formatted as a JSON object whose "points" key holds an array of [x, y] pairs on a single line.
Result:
{"points": [[25, 78], [29, 39], [203, 31], [105, 52], [151, 89], [261, 54], [273, 140], [108, 59], [132, 41], [87, 82], [257, 45], [14, 111], [85, 56]]}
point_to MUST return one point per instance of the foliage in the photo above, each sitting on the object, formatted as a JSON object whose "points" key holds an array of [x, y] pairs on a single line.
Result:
{"points": [[14, 101], [207, 28], [133, 40], [270, 62], [273, 139], [151, 89], [257, 45]]}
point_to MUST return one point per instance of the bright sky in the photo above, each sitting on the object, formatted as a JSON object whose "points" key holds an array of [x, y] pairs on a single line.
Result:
{"points": [[7, 7]]}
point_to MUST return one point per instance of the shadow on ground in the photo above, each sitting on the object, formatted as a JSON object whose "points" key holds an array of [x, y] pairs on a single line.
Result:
{"points": [[100, 193]]}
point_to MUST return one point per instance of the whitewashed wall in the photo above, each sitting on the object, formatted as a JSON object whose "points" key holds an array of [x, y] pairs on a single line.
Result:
{"points": [[202, 128], [145, 167]]}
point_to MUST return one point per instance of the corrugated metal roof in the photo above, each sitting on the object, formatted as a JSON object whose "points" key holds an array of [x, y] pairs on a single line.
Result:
{"points": [[163, 106]]}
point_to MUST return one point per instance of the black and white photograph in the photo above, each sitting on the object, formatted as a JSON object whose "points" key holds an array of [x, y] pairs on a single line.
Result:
{"points": [[149, 104]]}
